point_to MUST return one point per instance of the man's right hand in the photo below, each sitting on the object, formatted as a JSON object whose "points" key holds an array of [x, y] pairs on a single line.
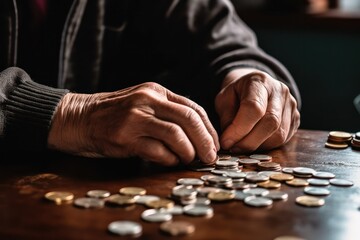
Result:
{"points": [[146, 120]]}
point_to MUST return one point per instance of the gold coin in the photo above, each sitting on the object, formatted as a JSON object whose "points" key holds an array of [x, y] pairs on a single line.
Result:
{"points": [[340, 135], [281, 177], [59, 197], [269, 184], [117, 199], [288, 237], [177, 228], [160, 203], [221, 196], [336, 145], [310, 201], [132, 191], [297, 182]]}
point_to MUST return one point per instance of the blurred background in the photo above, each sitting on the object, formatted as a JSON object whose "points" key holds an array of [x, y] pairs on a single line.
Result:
{"points": [[319, 42]]}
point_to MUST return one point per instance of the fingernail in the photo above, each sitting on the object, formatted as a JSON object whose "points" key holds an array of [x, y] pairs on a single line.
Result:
{"points": [[211, 156]]}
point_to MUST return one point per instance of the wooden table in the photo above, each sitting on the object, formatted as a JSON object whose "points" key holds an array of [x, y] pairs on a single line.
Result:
{"points": [[24, 214]]}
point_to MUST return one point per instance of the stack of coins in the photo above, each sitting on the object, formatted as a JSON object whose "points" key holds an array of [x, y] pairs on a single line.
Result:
{"points": [[184, 194], [338, 139], [226, 165], [249, 163], [268, 166], [355, 141], [219, 182]]}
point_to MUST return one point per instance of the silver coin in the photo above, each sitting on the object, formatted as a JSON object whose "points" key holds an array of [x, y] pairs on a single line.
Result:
{"points": [[199, 210], [256, 191], [248, 161], [202, 201], [87, 202], [304, 171], [204, 191], [175, 210], [124, 228], [240, 195], [98, 193], [256, 178], [316, 191], [318, 182], [258, 201], [206, 177], [235, 174], [277, 195], [261, 157], [190, 181], [341, 182], [154, 215], [142, 199], [268, 173], [184, 191], [288, 170], [326, 175], [226, 163]]}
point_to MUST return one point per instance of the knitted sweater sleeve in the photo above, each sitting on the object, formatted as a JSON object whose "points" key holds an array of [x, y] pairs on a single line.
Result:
{"points": [[26, 110]]}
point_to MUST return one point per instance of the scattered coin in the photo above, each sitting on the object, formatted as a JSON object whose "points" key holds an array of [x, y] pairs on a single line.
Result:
{"points": [[277, 195], [317, 191], [221, 196], [310, 201], [59, 197], [288, 170], [125, 228], [154, 215], [336, 145], [318, 182], [255, 201], [304, 171], [269, 184], [281, 177], [256, 191], [190, 181], [132, 191], [341, 182], [177, 228], [146, 198], [325, 175], [289, 237], [120, 200], [298, 182], [261, 157], [199, 210], [98, 193], [160, 203], [88, 202]]}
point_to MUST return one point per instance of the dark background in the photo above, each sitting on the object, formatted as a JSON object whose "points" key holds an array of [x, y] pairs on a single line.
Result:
{"points": [[320, 45]]}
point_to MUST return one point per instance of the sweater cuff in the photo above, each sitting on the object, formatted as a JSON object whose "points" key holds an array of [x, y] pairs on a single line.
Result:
{"points": [[29, 110]]}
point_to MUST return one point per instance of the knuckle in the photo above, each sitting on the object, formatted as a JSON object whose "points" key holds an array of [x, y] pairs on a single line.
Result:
{"points": [[272, 120], [257, 106]]}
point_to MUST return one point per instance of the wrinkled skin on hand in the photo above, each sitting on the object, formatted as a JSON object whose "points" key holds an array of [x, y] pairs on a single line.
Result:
{"points": [[146, 120], [257, 112]]}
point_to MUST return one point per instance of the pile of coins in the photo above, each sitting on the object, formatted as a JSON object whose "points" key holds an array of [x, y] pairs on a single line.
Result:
{"points": [[342, 140], [225, 181]]}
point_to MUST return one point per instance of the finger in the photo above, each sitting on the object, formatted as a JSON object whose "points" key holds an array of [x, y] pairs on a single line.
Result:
{"points": [[155, 151], [172, 136], [200, 111], [193, 126], [227, 104], [253, 105]]}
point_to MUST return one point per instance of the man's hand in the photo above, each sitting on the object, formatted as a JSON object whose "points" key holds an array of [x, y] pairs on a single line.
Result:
{"points": [[256, 111], [146, 120]]}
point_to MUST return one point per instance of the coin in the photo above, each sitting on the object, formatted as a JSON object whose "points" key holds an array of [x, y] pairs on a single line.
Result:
{"points": [[318, 182], [288, 237], [221, 196], [261, 157], [310, 201], [117, 199], [88, 202], [269, 184], [146, 198], [288, 170], [281, 177], [255, 201], [277, 195], [177, 228], [160, 203], [240, 195], [325, 175], [341, 182], [154, 215], [132, 191], [297, 182], [124, 228], [190, 181], [176, 210], [317, 191], [256, 178], [199, 210], [98, 193], [303, 171], [59, 197], [256, 191], [336, 145]]}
